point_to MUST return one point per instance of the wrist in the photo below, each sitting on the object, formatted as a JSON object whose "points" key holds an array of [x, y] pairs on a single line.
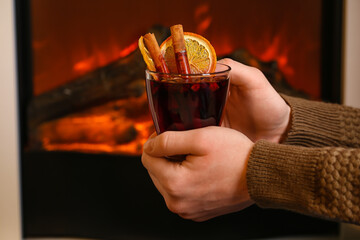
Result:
{"points": [[245, 190], [284, 129], [278, 133]]}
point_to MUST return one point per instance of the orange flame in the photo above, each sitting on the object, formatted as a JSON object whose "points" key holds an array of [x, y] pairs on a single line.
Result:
{"points": [[271, 48], [98, 59], [103, 129], [131, 148], [201, 15], [85, 65], [129, 49], [276, 51]]}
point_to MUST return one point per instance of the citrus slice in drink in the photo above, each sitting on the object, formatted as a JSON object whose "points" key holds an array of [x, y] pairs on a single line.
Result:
{"points": [[146, 55], [201, 54]]}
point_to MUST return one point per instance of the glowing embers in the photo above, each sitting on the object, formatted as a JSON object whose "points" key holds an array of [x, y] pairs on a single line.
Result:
{"points": [[118, 127], [202, 17], [99, 58]]}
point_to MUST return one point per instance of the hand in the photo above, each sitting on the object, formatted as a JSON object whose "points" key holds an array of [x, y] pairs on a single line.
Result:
{"points": [[212, 179], [254, 107]]}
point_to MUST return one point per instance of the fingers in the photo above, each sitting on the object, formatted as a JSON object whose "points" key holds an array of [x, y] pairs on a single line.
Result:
{"points": [[170, 144], [177, 143], [160, 167], [158, 186], [243, 75], [193, 212]]}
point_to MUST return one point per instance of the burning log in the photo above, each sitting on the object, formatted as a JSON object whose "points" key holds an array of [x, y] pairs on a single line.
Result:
{"points": [[119, 127], [107, 83], [107, 110], [123, 78], [270, 70]]}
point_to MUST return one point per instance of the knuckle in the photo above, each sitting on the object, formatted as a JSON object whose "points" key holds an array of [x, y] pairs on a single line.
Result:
{"points": [[175, 206], [203, 139], [164, 140], [143, 160], [174, 187], [201, 136], [257, 72], [186, 215], [227, 61]]}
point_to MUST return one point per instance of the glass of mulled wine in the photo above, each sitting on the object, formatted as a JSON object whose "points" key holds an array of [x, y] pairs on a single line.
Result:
{"points": [[187, 101]]}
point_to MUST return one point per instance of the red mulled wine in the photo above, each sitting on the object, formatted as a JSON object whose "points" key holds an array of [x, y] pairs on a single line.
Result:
{"points": [[186, 103]]}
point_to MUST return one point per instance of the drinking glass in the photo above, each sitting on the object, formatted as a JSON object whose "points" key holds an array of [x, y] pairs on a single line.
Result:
{"points": [[187, 101]]}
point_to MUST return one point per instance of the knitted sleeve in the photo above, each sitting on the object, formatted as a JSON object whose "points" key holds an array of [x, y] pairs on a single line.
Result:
{"points": [[317, 169], [318, 124], [322, 182]]}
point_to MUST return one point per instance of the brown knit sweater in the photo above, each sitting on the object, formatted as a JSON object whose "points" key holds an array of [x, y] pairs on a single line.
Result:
{"points": [[316, 171]]}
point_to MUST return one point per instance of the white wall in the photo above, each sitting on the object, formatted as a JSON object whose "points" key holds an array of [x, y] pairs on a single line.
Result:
{"points": [[351, 79], [351, 54], [9, 152]]}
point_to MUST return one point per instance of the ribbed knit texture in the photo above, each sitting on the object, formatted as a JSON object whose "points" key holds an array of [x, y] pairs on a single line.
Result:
{"points": [[274, 177], [315, 172], [318, 124]]}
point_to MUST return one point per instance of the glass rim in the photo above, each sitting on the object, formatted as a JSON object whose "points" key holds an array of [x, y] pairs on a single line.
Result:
{"points": [[192, 74]]}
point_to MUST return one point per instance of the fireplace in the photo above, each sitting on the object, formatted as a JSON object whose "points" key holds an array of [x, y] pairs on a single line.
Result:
{"points": [[81, 59], [84, 113]]}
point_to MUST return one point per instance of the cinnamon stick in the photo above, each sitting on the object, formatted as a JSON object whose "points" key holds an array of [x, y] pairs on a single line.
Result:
{"points": [[154, 50], [181, 58]]}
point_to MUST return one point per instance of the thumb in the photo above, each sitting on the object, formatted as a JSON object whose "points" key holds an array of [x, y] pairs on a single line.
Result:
{"points": [[176, 143]]}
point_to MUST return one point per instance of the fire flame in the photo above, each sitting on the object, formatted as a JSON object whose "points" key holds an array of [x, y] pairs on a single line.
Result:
{"points": [[129, 49], [85, 42], [110, 128], [85, 65], [275, 51], [203, 18], [132, 148], [99, 59]]}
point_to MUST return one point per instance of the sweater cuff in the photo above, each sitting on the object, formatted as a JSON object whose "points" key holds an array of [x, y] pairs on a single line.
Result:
{"points": [[314, 124], [279, 177]]}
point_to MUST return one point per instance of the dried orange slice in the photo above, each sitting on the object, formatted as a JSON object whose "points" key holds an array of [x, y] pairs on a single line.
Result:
{"points": [[146, 55], [201, 54]]}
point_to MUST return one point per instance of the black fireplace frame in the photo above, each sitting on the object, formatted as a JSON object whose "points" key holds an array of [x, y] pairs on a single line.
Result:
{"points": [[95, 195], [331, 50]]}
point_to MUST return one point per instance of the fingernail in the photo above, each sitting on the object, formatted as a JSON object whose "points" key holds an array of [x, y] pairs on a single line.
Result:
{"points": [[148, 146]]}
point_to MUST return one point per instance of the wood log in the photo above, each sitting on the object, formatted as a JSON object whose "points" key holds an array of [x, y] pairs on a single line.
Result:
{"points": [[270, 70], [120, 79], [119, 126], [104, 84]]}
